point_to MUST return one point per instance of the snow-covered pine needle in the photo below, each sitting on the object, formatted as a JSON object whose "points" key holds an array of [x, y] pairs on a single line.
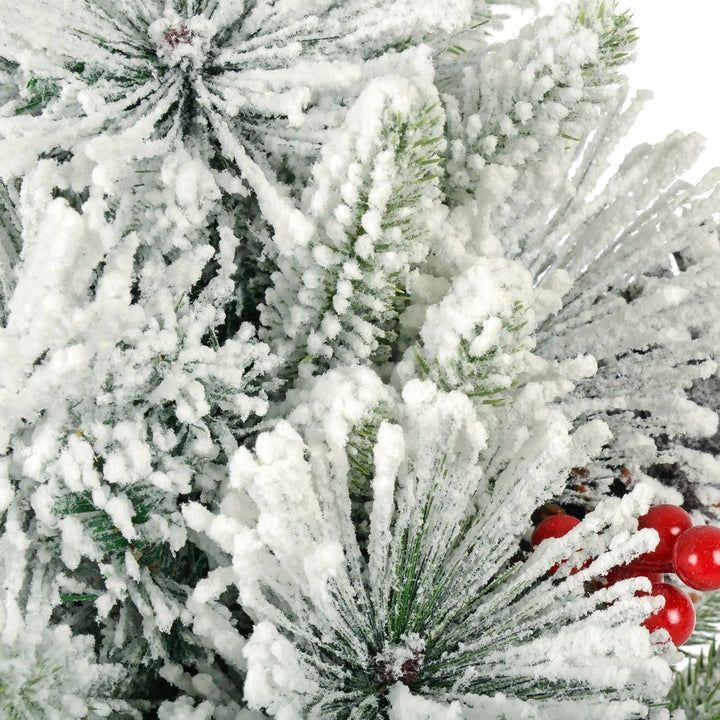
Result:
{"points": [[439, 605]]}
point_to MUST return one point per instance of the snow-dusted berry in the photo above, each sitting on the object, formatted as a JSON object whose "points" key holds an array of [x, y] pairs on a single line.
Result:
{"points": [[677, 616]]}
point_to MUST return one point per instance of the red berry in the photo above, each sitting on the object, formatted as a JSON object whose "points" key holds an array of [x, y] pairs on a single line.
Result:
{"points": [[627, 571], [677, 616], [554, 526], [670, 521], [696, 557]]}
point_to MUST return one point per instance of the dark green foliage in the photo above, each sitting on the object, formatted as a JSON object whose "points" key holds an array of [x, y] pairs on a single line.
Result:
{"points": [[254, 263], [707, 619], [100, 526]]}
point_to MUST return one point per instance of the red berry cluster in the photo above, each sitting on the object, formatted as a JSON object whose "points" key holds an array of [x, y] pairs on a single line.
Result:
{"points": [[692, 553]]}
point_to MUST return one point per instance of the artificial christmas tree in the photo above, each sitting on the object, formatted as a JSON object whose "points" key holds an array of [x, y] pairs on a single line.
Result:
{"points": [[309, 311]]}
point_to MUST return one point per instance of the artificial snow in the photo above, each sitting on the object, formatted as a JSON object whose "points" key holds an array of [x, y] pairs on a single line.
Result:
{"points": [[307, 307]]}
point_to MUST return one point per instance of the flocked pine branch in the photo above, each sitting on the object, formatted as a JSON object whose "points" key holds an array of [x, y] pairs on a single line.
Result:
{"points": [[10, 244], [375, 202], [546, 104], [517, 151], [657, 240], [621, 262], [438, 605], [47, 669], [485, 19], [240, 79], [152, 390], [478, 338]]}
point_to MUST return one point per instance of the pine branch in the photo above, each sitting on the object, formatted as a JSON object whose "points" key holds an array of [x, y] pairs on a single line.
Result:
{"points": [[147, 418], [360, 445], [169, 74], [624, 282], [46, 670], [486, 18], [39, 93], [696, 689], [104, 533], [435, 604], [618, 36], [502, 120], [486, 366], [338, 299]]}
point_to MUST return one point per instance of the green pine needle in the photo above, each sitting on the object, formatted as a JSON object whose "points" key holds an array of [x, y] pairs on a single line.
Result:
{"points": [[471, 374], [360, 445], [707, 619], [696, 690], [100, 526]]}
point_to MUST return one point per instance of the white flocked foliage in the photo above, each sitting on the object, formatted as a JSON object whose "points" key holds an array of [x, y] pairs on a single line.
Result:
{"points": [[435, 578], [46, 670], [305, 309], [375, 202]]}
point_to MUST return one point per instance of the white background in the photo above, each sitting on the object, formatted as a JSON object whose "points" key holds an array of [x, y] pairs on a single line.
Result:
{"points": [[678, 58]]}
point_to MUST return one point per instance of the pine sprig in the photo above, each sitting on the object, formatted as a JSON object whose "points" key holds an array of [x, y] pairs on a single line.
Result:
{"points": [[100, 526], [435, 604], [46, 669], [484, 376], [696, 690], [360, 445], [532, 119], [39, 93], [339, 299], [618, 37]]}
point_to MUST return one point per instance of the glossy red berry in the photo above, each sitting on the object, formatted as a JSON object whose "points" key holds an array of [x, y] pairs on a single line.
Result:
{"points": [[554, 526], [670, 521], [677, 616], [696, 557], [626, 571]]}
